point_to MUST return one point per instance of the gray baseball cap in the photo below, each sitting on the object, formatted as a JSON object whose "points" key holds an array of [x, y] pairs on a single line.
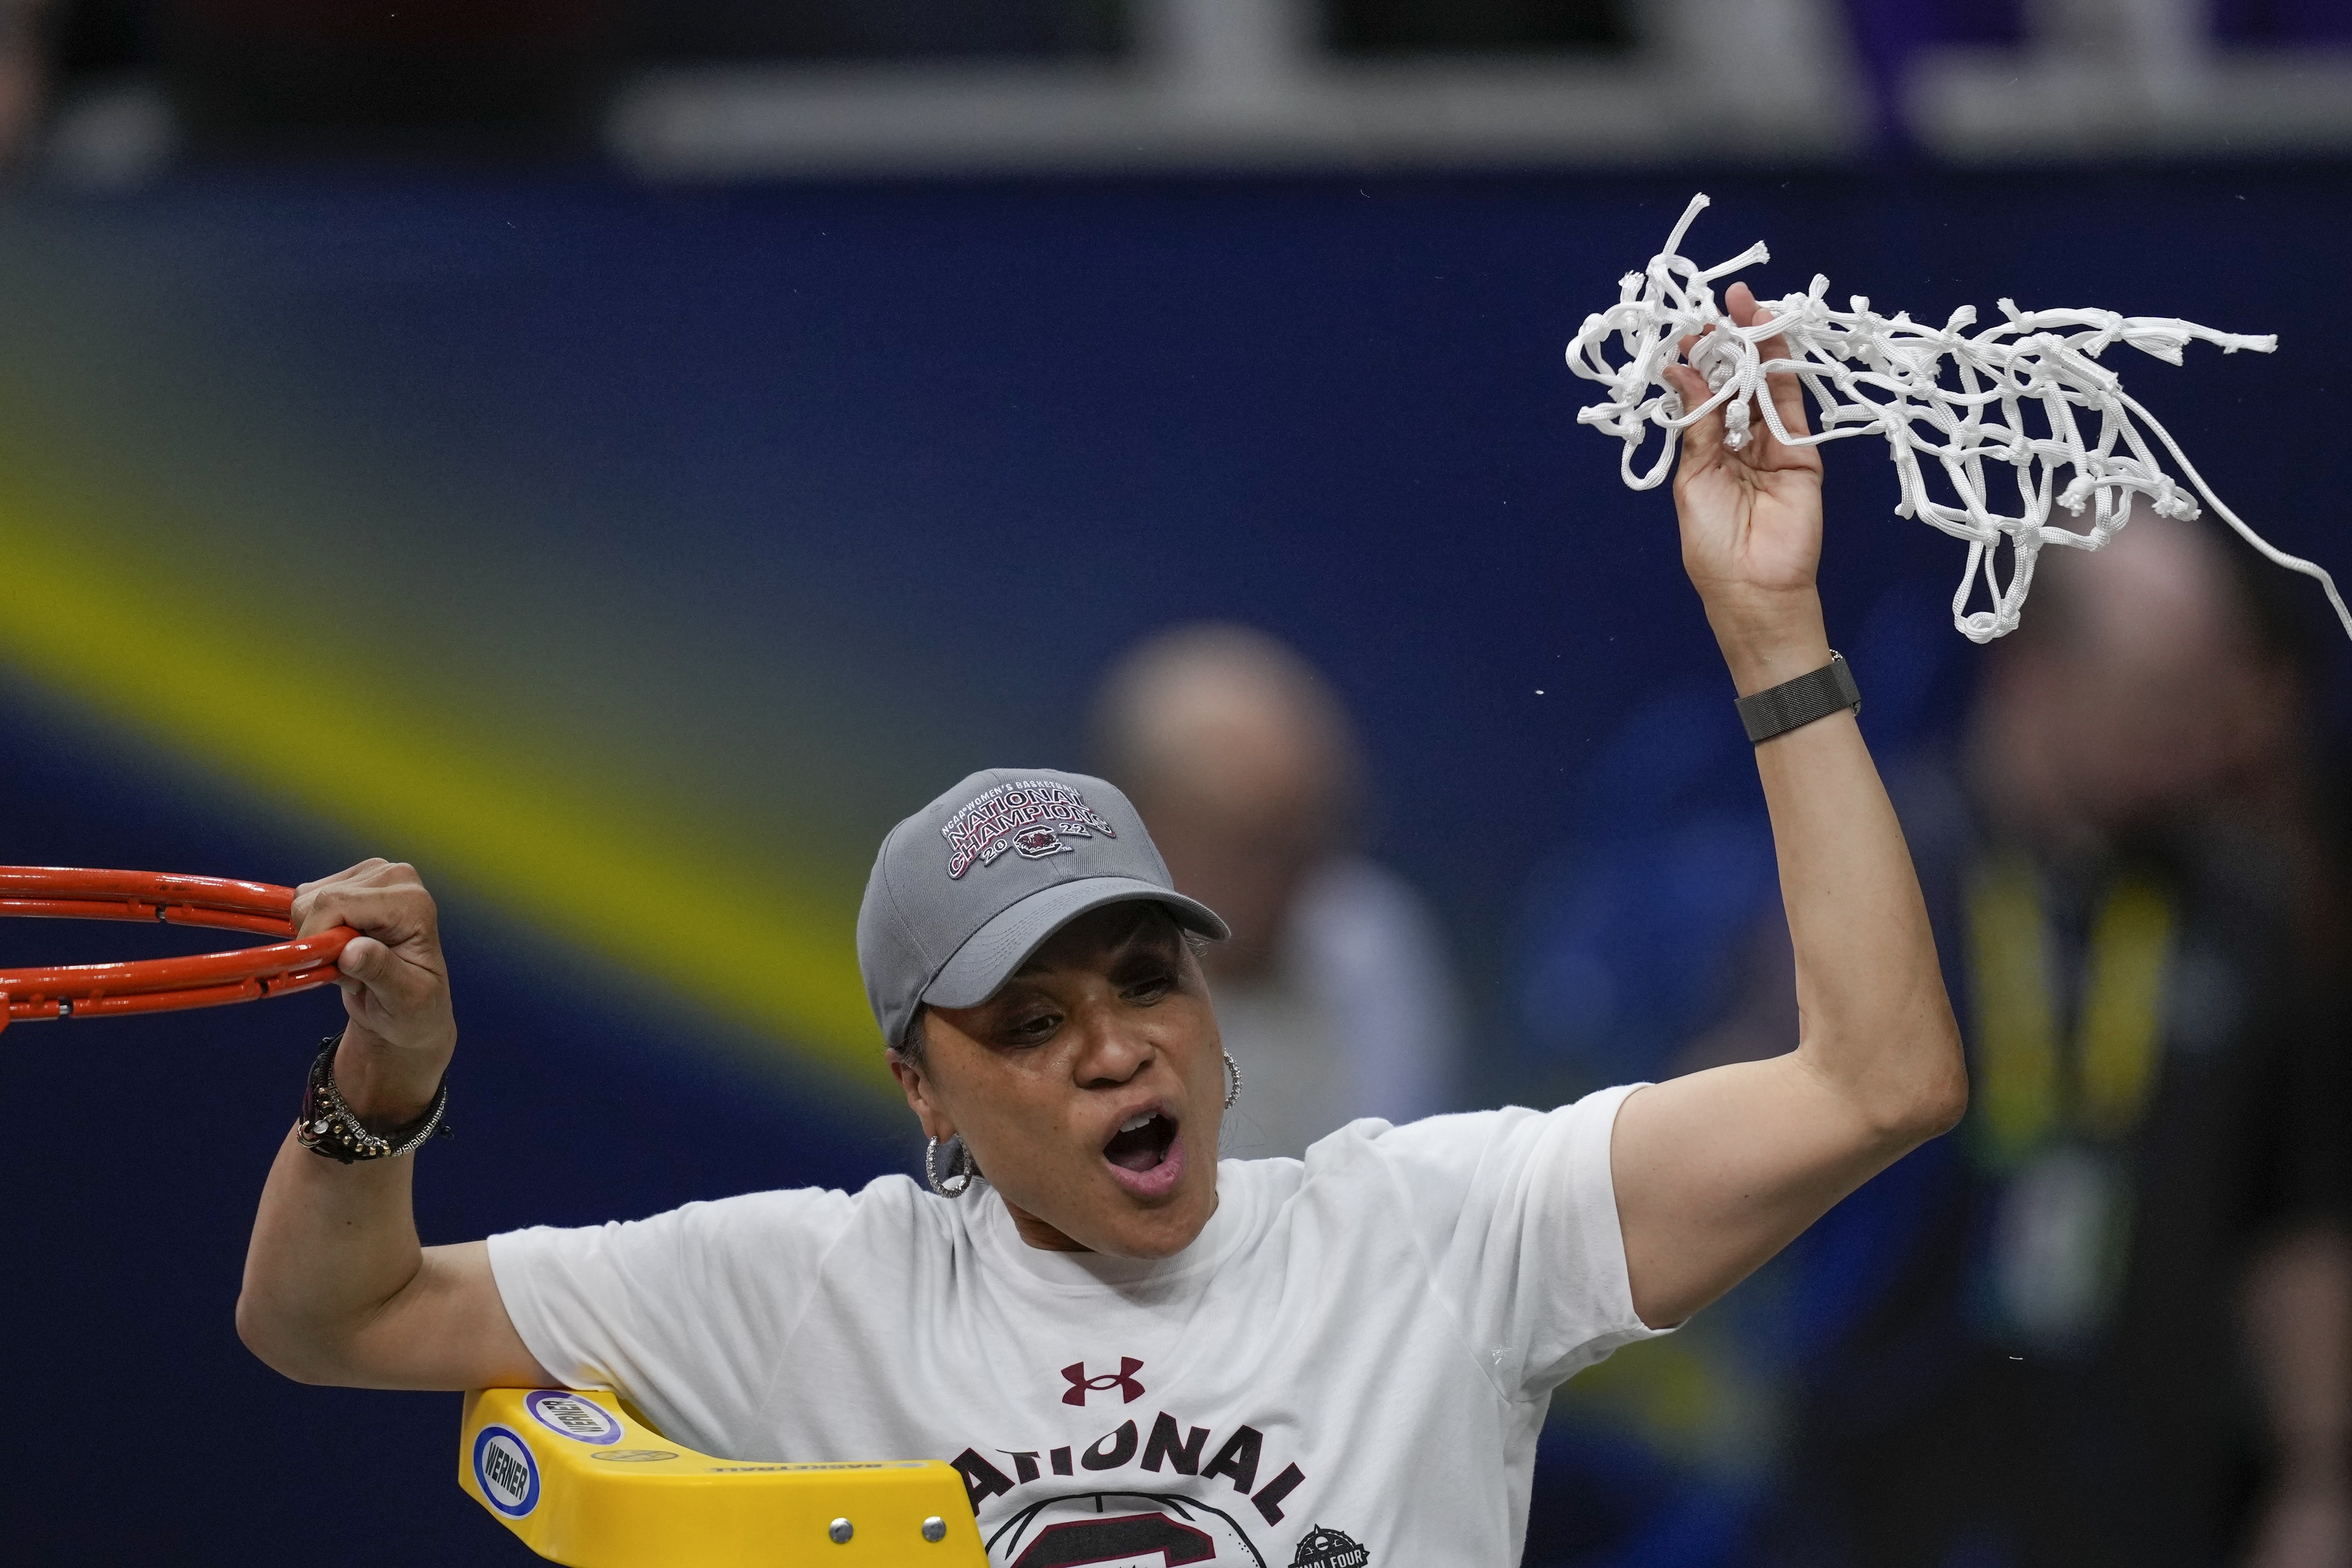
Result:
{"points": [[968, 888]]}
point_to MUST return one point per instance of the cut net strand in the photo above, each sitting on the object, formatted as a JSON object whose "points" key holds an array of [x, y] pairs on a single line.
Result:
{"points": [[1944, 395]]}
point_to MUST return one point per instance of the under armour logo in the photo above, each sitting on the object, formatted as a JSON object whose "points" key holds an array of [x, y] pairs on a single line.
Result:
{"points": [[1129, 1391]]}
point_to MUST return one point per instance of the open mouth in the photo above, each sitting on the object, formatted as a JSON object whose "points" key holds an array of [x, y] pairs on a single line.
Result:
{"points": [[1142, 1142]]}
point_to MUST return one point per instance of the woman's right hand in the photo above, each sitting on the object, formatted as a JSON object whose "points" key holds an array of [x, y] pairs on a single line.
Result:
{"points": [[336, 1287], [395, 987]]}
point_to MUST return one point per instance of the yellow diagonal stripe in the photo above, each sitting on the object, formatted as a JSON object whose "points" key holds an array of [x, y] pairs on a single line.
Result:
{"points": [[517, 820]]}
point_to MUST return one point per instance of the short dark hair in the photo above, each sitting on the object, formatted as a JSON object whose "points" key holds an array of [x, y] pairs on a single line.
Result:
{"points": [[908, 1046]]}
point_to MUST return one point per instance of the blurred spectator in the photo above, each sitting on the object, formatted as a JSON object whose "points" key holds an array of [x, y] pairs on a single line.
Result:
{"points": [[24, 79], [2119, 1330], [1334, 994], [2109, 1320]]}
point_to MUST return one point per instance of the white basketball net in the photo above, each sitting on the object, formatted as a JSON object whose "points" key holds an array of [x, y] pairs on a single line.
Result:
{"points": [[1871, 374]]}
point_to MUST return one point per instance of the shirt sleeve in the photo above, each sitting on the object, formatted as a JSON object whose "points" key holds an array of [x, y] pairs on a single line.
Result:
{"points": [[1514, 1214], [685, 1314]]}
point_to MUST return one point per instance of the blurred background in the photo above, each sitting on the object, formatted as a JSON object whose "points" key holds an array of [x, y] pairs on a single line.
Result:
{"points": [[623, 456]]}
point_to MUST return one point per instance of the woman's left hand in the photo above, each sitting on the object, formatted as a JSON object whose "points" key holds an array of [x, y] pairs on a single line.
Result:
{"points": [[1752, 522]]}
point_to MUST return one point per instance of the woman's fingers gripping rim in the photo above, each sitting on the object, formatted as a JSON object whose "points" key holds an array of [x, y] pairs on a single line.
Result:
{"points": [[393, 916], [306, 895], [362, 962]]}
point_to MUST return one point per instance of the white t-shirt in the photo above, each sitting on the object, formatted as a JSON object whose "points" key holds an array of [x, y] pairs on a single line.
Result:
{"points": [[1362, 1345]]}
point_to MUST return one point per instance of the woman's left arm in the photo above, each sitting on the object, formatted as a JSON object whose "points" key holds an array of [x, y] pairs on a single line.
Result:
{"points": [[1717, 1170]]}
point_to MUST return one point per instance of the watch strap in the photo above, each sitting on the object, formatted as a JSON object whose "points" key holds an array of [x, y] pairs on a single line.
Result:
{"points": [[1777, 710]]}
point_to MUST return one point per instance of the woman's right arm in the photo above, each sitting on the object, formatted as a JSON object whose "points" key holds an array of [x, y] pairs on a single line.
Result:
{"points": [[337, 1288]]}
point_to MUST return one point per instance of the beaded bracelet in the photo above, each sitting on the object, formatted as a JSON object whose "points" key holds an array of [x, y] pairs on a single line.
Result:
{"points": [[330, 1128]]}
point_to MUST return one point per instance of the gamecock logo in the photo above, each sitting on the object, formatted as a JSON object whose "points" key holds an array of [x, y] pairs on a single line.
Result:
{"points": [[1039, 842], [1123, 1529]]}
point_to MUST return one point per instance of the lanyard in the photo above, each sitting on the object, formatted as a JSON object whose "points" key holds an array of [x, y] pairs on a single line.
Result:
{"points": [[2032, 1088]]}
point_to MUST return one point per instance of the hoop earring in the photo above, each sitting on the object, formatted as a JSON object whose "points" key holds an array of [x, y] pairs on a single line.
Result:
{"points": [[962, 1171], [1233, 1079]]}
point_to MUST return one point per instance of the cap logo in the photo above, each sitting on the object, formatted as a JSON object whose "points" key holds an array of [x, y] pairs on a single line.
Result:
{"points": [[1031, 816], [1036, 843]]}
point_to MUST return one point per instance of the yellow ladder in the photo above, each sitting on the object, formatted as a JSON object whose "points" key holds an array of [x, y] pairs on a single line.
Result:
{"points": [[585, 1482]]}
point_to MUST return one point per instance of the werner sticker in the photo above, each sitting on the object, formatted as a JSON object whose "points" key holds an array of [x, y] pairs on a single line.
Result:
{"points": [[505, 1471], [582, 1420]]}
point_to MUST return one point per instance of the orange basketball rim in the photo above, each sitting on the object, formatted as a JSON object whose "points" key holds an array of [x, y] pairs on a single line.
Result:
{"points": [[160, 984]]}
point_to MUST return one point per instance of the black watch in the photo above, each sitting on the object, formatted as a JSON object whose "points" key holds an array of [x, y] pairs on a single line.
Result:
{"points": [[1777, 710]]}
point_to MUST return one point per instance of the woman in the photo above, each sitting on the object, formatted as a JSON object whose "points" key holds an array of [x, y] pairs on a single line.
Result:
{"points": [[1124, 1347]]}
